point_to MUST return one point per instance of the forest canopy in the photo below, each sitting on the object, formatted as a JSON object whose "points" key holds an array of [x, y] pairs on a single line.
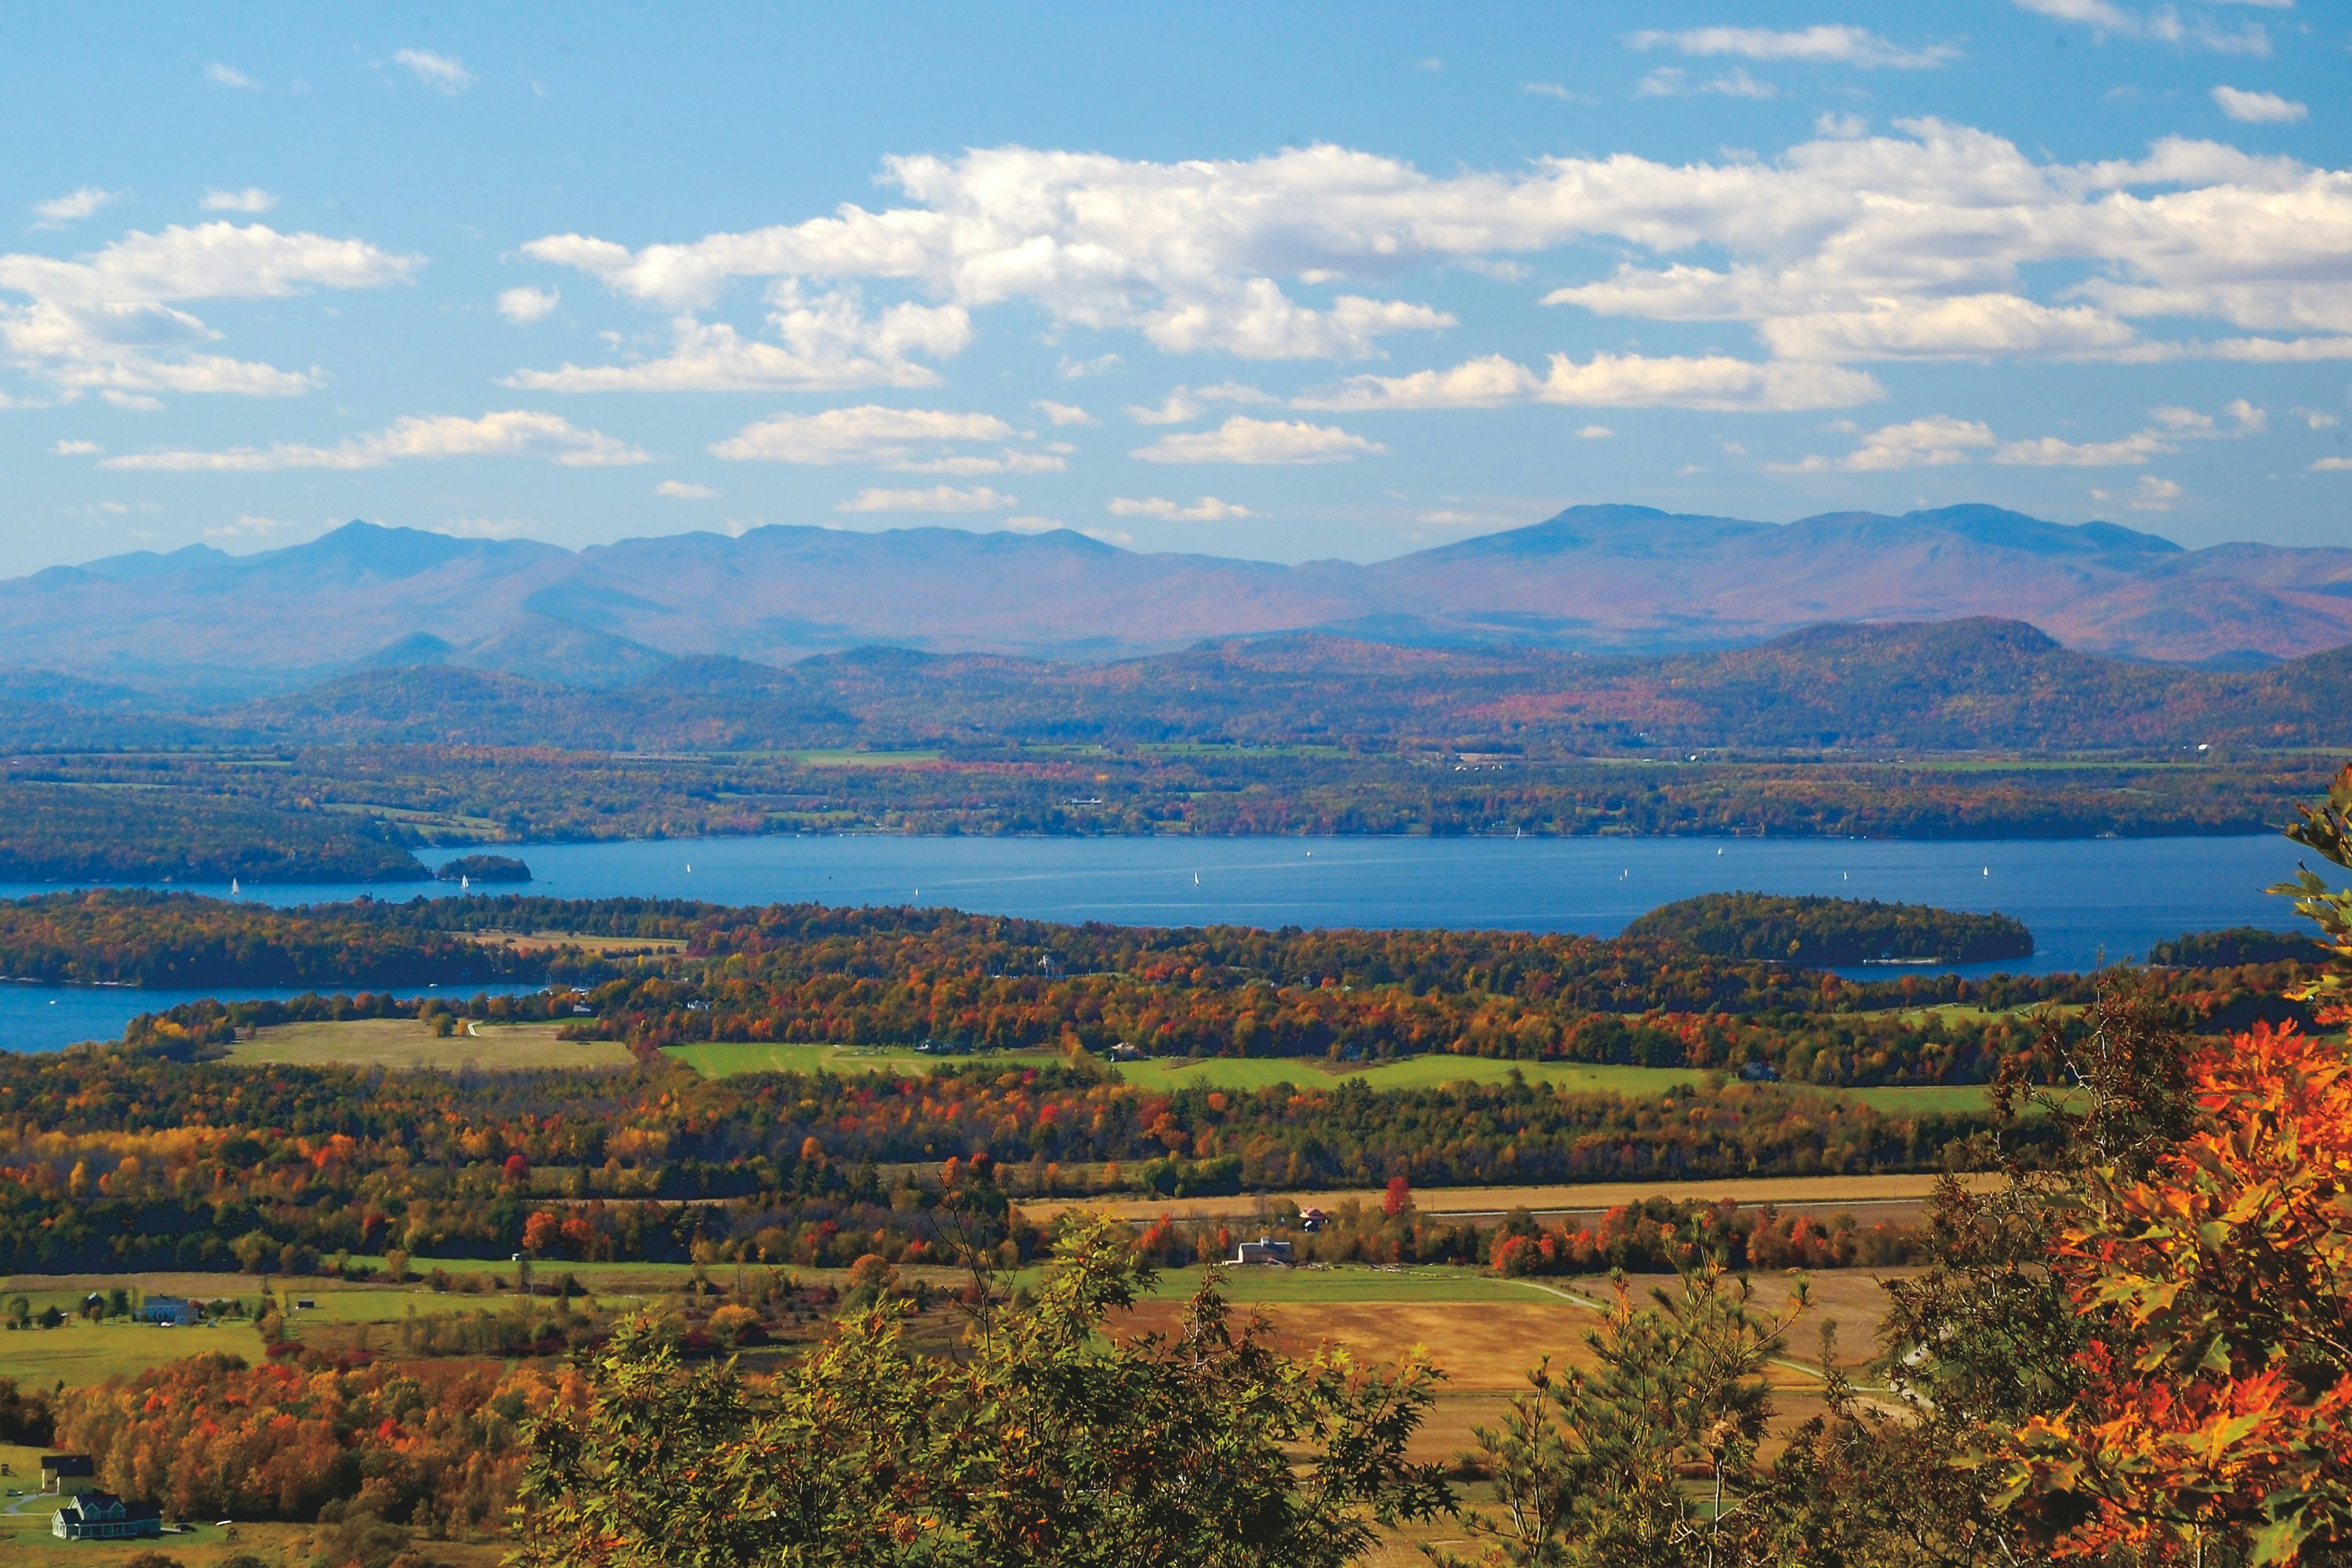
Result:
{"points": [[1814, 930]]}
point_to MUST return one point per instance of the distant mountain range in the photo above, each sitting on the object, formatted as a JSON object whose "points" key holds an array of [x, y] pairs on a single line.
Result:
{"points": [[202, 626], [1964, 685]]}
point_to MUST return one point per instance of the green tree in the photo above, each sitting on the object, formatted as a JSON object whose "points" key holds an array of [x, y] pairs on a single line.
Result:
{"points": [[1651, 1456], [1049, 1441]]}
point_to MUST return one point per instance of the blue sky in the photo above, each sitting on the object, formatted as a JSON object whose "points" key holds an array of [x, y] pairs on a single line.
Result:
{"points": [[1281, 281]]}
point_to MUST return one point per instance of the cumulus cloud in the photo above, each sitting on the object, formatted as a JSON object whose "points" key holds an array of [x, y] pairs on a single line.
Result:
{"points": [[221, 75], [1064, 413], [2163, 24], [1242, 439], [1610, 381], [827, 342], [1207, 508], [253, 199], [1938, 441], [526, 304], [111, 321], [72, 207], [1595, 432], [442, 73], [1929, 241], [2333, 465], [1185, 403], [515, 432], [910, 440], [679, 490], [2258, 108], [939, 498], [76, 448], [1845, 46], [2154, 494], [1673, 81], [2050, 452]]}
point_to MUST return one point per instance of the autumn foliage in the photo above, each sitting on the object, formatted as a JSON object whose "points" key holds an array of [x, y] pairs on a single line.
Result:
{"points": [[2219, 1386]]}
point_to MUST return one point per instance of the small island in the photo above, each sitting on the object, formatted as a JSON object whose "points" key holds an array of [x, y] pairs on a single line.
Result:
{"points": [[484, 869], [2236, 945], [1824, 930]]}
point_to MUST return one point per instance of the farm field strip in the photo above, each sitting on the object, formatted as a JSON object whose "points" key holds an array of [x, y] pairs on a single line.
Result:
{"points": [[1804, 1192]]}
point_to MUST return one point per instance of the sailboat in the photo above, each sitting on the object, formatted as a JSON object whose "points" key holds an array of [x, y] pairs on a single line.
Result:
{"points": [[1196, 879], [233, 889], [464, 882]]}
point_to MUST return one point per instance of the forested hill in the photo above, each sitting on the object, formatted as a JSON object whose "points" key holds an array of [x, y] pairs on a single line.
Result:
{"points": [[1955, 685]]}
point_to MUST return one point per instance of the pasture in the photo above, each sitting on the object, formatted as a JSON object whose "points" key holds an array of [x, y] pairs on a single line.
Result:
{"points": [[405, 1043]]}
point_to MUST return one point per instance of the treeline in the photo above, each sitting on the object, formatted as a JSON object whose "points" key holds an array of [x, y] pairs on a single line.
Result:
{"points": [[446, 794], [54, 832], [127, 937], [1813, 930], [121, 1158]]}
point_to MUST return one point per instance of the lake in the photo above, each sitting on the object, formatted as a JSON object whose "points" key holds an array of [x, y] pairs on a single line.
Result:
{"points": [[2081, 897]]}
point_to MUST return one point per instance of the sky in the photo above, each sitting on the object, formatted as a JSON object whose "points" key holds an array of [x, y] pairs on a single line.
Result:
{"points": [[1284, 281]]}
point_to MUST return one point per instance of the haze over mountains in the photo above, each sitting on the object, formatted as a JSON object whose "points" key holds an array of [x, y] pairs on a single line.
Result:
{"points": [[204, 625]]}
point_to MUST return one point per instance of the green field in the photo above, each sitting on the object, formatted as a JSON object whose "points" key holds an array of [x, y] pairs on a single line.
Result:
{"points": [[81, 1353], [725, 1058], [1412, 1072], [1346, 1284], [405, 1043]]}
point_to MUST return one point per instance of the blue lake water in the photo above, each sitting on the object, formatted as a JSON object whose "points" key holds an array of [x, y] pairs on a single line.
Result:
{"points": [[2081, 897]]}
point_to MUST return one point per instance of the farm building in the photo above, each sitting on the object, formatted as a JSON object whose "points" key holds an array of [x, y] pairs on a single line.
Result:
{"points": [[1264, 1249], [68, 1474], [176, 1311], [102, 1516]]}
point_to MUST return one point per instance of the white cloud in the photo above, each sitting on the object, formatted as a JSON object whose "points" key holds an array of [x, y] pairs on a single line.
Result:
{"points": [[1547, 90], [1078, 370], [825, 343], [515, 432], [2050, 452], [2258, 108], [679, 490], [2314, 418], [253, 199], [221, 75], [1032, 524], [1185, 403], [939, 498], [1831, 122], [248, 527], [1845, 46], [525, 305], [1938, 441], [442, 73], [73, 207], [1595, 432], [2154, 494], [2332, 465], [1242, 439], [1207, 508], [1931, 239], [76, 448], [111, 322], [1064, 413], [1610, 381], [1673, 81], [2164, 25], [910, 440], [137, 402]]}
